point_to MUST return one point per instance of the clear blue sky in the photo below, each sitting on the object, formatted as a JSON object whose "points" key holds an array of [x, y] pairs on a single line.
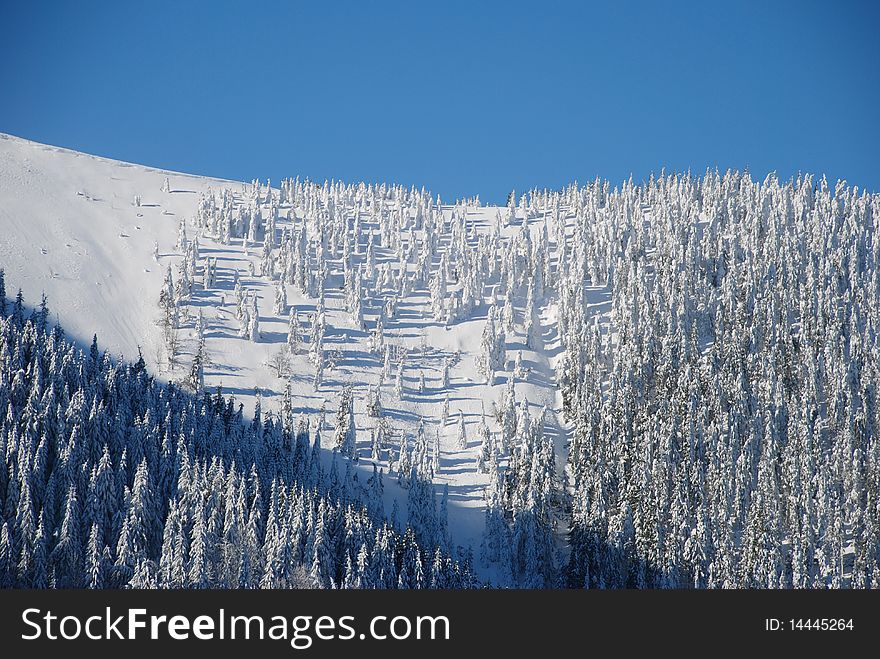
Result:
{"points": [[463, 97]]}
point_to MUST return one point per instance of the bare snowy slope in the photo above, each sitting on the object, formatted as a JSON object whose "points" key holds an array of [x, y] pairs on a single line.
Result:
{"points": [[71, 229], [83, 229]]}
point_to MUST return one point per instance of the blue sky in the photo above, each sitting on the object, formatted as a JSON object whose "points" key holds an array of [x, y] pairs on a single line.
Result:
{"points": [[462, 97]]}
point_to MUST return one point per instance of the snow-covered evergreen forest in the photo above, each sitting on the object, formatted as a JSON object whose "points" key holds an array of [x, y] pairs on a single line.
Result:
{"points": [[664, 384], [111, 479]]}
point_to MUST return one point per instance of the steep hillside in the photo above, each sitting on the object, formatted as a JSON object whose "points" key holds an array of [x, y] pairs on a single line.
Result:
{"points": [[99, 237]]}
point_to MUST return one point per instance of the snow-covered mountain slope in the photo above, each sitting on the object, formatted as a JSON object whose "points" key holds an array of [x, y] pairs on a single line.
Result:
{"points": [[713, 337], [70, 228], [73, 228]]}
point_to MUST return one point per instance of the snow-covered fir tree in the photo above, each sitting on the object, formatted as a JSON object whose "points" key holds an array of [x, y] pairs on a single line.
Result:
{"points": [[462, 432], [280, 306], [294, 336]]}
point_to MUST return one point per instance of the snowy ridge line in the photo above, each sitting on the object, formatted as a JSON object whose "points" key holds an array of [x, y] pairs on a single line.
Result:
{"points": [[113, 161]]}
